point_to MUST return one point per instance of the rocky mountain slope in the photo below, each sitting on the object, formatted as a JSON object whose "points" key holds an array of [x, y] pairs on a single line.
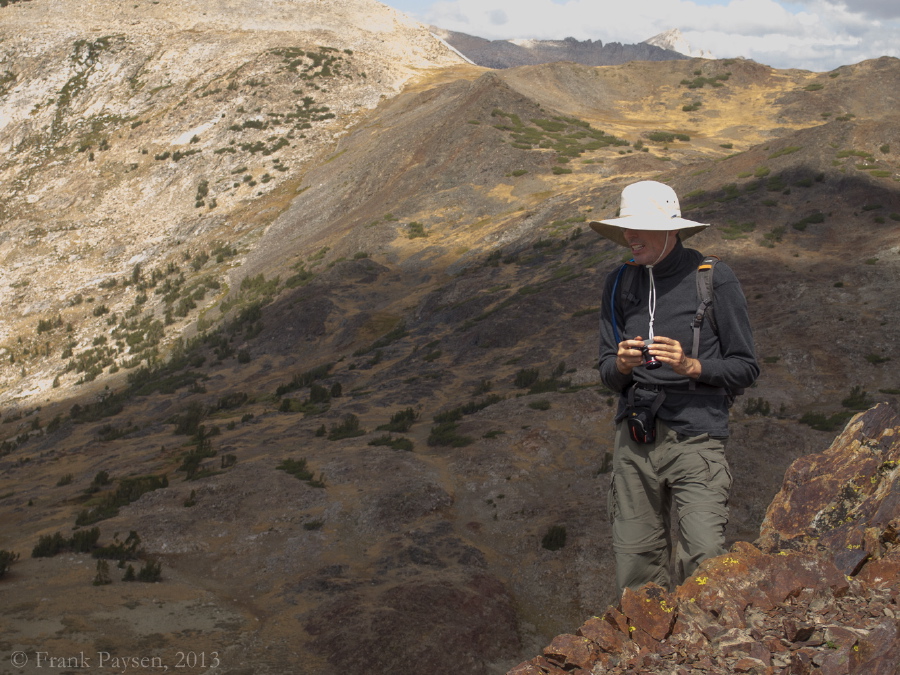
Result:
{"points": [[336, 373], [514, 53], [141, 135]]}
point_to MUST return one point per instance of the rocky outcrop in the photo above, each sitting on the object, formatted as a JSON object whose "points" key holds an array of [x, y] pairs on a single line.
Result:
{"points": [[817, 593]]}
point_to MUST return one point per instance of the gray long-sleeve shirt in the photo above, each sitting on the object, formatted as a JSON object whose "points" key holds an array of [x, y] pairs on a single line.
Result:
{"points": [[727, 358]]}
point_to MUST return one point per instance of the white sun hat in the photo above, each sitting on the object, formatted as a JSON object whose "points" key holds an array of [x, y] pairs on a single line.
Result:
{"points": [[647, 205]]}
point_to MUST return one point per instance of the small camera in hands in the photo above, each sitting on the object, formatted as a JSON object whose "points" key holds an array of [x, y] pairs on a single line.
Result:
{"points": [[650, 362]]}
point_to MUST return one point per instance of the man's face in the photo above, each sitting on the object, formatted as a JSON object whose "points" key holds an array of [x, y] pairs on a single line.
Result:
{"points": [[650, 246]]}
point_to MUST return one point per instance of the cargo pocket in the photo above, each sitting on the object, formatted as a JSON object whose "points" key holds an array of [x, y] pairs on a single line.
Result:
{"points": [[718, 472]]}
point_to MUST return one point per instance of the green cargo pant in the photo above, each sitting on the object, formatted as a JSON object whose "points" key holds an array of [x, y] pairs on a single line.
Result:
{"points": [[689, 473]]}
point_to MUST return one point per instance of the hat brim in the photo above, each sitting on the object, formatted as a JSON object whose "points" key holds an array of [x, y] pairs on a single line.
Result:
{"points": [[614, 228]]}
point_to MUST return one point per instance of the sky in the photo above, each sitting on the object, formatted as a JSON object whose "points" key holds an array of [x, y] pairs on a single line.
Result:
{"points": [[817, 35]]}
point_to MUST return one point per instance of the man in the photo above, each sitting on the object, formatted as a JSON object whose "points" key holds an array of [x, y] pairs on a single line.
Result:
{"points": [[678, 459]]}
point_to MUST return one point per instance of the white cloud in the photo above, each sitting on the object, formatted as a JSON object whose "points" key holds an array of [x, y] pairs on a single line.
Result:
{"points": [[498, 17], [876, 9], [823, 35]]}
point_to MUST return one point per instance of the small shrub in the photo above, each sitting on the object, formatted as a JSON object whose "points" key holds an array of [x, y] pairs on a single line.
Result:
{"points": [[192, 464], [48, 545], [150, 572], [817, 217], [302, 380], [823, 422], [483, 387], [7, 558], [398, 443], [737, 231], [700, 81], [102, 577], [785, 151], [858, 399], [348, 428], [401, 421], [83, 541], [128, 490], [773, 236], [666, 137], [233, 400], [757, 406], [188, 422], [444, 434], [555, 538], [397, 333], [416, 230], [542, 404], [526, 377], [299, 470]]}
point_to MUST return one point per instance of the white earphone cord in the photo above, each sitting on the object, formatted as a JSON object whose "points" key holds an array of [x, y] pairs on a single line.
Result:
{"points": [[652, 305], [651, 301]]}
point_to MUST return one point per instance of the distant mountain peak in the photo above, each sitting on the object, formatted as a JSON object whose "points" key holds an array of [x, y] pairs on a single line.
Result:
{"points": [[524, 51], [675, 41]]}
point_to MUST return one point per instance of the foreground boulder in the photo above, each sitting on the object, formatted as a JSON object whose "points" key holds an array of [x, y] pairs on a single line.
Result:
{"points": [[819, 592]]}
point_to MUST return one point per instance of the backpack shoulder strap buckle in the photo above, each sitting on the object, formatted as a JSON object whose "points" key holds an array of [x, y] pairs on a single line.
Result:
{"points": [[704, 280]]}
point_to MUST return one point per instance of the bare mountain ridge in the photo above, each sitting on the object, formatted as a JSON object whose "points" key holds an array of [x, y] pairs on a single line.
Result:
{"points": [[447, 536], [514, 53]]}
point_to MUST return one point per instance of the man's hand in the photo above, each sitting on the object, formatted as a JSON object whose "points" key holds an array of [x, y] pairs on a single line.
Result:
{"points": [[669, 351], [629, 355]]}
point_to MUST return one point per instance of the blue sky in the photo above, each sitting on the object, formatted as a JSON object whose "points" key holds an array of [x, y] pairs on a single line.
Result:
{"points": [[817, 35]]}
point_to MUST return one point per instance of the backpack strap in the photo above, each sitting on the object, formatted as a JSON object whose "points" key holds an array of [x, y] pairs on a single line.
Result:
{"points": [[704, 279]]}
